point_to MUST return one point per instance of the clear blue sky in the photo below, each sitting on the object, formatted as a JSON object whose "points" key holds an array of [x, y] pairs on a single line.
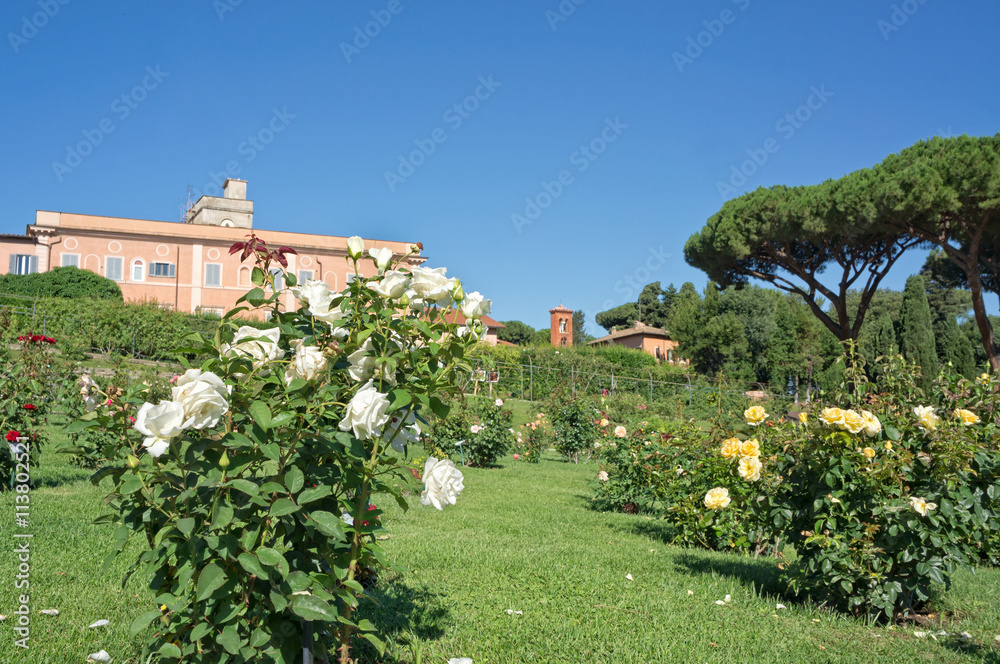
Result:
{"points": [[553, 85]]}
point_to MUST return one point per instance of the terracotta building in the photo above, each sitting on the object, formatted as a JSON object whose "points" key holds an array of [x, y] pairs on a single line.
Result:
{"points": [[561, 326], [182, 265], [652, 340]]}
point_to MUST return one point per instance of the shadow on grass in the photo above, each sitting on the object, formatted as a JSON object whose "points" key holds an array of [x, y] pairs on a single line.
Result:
{"points": [[986, 654], [762, 574], [400, 612]]}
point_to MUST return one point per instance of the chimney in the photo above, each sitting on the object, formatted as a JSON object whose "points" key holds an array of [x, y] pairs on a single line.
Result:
{"points": [[233, 188]]}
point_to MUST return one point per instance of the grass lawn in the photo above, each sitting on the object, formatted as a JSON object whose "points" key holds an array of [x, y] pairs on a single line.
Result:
{"points": [[521, 538]]}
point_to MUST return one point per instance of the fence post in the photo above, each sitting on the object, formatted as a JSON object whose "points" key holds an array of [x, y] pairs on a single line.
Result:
{"points": [[521, 367], [572, 382], [689, 389], [531, 381], [650, 385]]}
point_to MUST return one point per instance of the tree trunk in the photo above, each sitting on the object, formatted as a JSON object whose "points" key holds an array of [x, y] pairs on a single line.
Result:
{"points": [[983, 320]]}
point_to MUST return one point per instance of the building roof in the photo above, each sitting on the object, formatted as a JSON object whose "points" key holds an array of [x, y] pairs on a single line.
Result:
{"points": [[637, 329], [560, 309], [15, 236]]}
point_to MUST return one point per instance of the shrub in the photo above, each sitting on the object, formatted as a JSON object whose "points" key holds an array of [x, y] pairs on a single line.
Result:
{"points": [[252, 499], [491, 436], [573, 423], [68, 282], [533, 439]]}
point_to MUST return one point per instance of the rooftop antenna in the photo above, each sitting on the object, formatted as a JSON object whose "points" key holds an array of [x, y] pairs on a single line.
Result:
{"points": [[187, 207]]}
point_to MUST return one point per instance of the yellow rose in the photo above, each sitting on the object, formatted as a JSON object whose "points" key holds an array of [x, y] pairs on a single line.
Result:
{"points": [[922, 506], [803, 417], [833, 417], [750, 448], [984, 379], [888, 446], [750, 468], [717, 498], [755, 415], [604, 423], [730, 447], [926, 417], [967, 416], [869, 453], [871, 424], [852, 422]]}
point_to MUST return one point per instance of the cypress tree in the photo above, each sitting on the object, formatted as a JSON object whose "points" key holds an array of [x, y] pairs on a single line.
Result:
{"points": [[917, 336], [877, 341], [954, 347]]}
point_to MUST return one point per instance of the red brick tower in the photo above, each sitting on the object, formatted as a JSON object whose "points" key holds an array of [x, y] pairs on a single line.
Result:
{"points": [[561, 326]]}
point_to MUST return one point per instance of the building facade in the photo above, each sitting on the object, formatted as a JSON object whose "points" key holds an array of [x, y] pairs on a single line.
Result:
{"points": [[181, 265], [648, 339], [561, 326]]}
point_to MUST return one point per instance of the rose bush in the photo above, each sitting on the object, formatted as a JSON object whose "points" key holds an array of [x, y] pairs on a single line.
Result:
{"points": [[251, 485]]}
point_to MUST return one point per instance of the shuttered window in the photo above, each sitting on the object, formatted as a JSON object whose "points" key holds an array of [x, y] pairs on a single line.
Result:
{"points": [[23, 264]]}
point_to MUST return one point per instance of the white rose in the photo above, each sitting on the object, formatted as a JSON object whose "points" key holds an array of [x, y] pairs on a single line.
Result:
{"points": [[432, 286], [355, 246], [203, 396], [392, 284], [259, 351], [408, 432], [307, 363], [382, 257], [326, 312], [363, 365], [156, 446], [366, 413], [475, 306], [499, 403], [311, 291], [442, 483], [163, 421]]}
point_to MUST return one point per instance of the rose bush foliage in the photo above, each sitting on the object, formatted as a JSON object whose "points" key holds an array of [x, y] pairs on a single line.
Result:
{"points": [[251, 486]]}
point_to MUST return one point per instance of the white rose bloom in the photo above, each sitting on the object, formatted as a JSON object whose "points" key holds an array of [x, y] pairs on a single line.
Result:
{"points": [[409, 432], [442, 483], [311, 291], [203, 396], [432, 286], [156, 446], [363, 365], [366, 413], [475, 306], [259, 351], [392, 284], [382, 257], [163, 421], [355, 246], [319, 300], [307, 363], [499, 403]]}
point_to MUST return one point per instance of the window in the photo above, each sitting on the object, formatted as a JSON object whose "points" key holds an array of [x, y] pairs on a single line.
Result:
{"points": [[213, 275], [23, 264], [305, 275], [138, 270], [670, 355], [209, 311], [113, 266], [562, 342], [244, 276], [279, 281], [70, 260], [168, 270], [351, 277]]}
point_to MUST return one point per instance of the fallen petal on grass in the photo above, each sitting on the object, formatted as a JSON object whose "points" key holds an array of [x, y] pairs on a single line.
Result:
{"points": [[460, 660], [729, 598], [720, 602], [99, 623], [629, 577], [691, 592], [780, 606], [99, 656], [49, 612]]}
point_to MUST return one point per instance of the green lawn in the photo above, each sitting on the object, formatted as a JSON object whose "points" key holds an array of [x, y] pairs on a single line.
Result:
{"points": [[522, 538]]}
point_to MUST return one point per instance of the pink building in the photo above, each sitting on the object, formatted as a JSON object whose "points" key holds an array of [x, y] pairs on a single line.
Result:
{"points": [[648, 339], [184, 266]]}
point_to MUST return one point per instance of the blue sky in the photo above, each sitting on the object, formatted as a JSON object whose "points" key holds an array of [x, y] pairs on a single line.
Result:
{"points": [[586, 109]]}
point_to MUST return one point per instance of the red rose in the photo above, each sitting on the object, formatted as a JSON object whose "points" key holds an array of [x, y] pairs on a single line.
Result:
{"points": [[12, 436], [29, 406], [48, 340]]}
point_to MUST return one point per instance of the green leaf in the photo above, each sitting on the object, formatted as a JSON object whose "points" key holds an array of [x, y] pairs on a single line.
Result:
{"points": [[282, 419], [399, 399], [170, 650], [314, 493], [130, 486], [261, 414], [329, 524], [211, 579], [186, 526], [245, 486], [257, 278], [223, 516], [439, 407], [311, 607], [375, 641], [250, 563], [143, 621], [229, 639], [295, 479], [893, 433], [283, 506], [200, 630]]}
